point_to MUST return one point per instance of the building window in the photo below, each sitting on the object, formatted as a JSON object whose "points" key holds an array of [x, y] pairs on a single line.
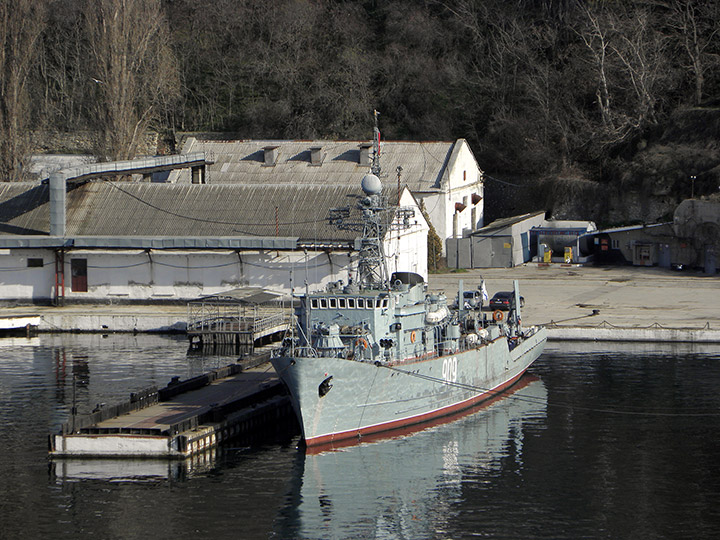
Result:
{"points": [[615, 244], [464, 175], [34, 263]]}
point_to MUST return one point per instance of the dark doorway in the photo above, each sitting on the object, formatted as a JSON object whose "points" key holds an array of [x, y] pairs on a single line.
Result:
{"points": [[78, 269]]}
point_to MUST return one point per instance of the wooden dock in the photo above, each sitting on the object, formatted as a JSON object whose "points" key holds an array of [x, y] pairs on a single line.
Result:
{"points": [[181, 420]]}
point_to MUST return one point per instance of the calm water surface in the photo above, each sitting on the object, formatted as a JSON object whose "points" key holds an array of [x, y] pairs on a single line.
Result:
{"points": [[601, 441]]}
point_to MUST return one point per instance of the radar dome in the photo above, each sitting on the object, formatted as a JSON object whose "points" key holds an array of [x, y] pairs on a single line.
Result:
{"points": [[371, 185]]}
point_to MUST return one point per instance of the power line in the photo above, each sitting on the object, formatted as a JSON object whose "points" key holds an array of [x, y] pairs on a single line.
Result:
{"points": [[485, 175], [206, 220]]}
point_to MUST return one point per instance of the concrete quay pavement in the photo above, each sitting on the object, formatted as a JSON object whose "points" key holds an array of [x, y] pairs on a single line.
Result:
{"points": [[634, 304]]}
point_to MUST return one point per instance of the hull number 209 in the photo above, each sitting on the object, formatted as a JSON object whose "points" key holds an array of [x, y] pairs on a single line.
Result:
{"points": [[449, 369]]}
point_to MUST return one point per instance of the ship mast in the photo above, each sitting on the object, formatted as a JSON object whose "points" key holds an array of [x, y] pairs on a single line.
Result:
{"points": [[377, 218], [375, 166]]}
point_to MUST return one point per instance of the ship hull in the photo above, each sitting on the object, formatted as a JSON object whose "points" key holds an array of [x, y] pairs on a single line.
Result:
{"points": [[363, 398]]}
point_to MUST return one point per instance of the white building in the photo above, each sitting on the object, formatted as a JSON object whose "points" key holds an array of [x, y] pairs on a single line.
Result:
{"points": [[444, 176], [128, 241]]}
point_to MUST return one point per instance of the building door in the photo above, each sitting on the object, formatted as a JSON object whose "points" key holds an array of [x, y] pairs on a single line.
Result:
{"points": [[502, 252], [78, 269], [525, 241], [643, 255], [665, 258]]}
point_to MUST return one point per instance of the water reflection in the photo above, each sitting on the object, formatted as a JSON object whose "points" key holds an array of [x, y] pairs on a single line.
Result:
{"points": [[132, 470], [406, 487]]}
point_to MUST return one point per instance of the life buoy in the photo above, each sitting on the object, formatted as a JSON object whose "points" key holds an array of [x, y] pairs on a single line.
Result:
{"points": [[412, 336], [498, 315], [361, 342]]}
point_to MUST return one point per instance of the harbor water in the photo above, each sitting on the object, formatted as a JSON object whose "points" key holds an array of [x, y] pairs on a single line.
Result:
{"points": [[598, 441]]}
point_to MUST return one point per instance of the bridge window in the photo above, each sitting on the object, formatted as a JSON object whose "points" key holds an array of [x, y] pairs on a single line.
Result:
{"points": [[333, 303], [361, 303], [314, 303], [341, 303], [351, 303], [323, 303]]}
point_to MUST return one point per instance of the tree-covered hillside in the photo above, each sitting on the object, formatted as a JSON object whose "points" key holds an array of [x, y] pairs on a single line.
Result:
{"points": [[592, 106]]}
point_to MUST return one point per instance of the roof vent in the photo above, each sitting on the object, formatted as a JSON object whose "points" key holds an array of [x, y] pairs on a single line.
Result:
{"points": [[365, 159], [316, 155], [271, 156]]}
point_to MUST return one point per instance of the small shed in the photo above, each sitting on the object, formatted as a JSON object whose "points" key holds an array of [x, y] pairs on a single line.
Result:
{"points": [[502, 244], [516, 240]]}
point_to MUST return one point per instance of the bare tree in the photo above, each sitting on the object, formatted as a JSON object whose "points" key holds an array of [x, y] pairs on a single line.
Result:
{"points": [[62, 85], [642, 52], [628, 55], [697, 25], [596, 39], [135, 73], [21, 25]]}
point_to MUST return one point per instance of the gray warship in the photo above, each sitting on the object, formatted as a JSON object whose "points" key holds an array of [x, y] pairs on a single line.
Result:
{"points": [[381, 353]]}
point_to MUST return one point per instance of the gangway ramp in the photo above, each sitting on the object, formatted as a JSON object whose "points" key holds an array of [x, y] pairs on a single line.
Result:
{"points": [[237, 319]]}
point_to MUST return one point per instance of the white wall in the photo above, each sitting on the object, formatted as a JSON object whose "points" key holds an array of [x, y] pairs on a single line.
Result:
{"points": [[17, 281], [167, 275], [406, 248], [137, 275], [462, 178]]}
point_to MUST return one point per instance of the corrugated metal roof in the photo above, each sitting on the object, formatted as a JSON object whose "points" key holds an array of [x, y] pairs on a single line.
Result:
{"points": [[507, 222], [167, 210], [23, 208], [242, 162]]}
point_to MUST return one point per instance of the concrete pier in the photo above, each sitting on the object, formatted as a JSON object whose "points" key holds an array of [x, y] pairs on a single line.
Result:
{"points": [[182, 420], [574, 302], [606, 303]]}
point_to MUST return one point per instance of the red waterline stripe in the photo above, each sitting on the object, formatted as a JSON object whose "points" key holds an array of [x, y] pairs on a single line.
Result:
{"points": [[394, 424]]}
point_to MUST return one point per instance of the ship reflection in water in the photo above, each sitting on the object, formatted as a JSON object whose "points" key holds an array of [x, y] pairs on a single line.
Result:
{"points": [[406, 486]]}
